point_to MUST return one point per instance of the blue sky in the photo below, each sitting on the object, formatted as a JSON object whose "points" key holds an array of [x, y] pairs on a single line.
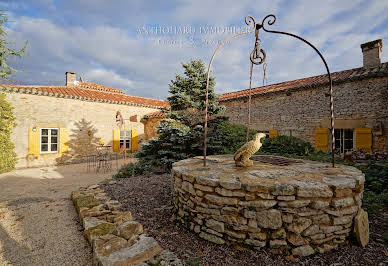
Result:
{"points": [[105, 41]]}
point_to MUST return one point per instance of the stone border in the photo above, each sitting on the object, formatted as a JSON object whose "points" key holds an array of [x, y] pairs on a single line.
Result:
{"points": [[285, 215], [115, 237]]}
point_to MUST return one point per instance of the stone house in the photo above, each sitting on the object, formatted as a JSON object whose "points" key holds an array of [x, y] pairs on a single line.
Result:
{"points": [[57, 124], [301, 107]]}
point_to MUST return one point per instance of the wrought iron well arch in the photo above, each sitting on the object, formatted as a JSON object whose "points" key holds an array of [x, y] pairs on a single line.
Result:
{"points": [[258, 53]]}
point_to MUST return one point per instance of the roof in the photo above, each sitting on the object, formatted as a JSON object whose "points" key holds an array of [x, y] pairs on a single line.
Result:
{"points": [[154, 115], [312, 82], [87, 91]]}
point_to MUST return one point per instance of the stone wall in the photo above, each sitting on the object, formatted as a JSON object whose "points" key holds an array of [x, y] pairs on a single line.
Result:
{"points": [[150, 127], [302, 208], [361, 103], [115, 237], [76, 115]]}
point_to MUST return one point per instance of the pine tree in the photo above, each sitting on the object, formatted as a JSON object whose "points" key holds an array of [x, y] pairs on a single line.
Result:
{"points": [[5, 51], [181, 136]]}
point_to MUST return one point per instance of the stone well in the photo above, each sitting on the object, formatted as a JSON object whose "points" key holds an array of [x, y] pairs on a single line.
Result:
{"points": [[286, 205]]}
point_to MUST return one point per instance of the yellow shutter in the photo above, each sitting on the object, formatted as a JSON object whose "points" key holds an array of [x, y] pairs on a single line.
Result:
{"points": [[63, 140], [322, 139], [134, 144], [273, 133], [363, 139], [116, 139], [33, 141]]}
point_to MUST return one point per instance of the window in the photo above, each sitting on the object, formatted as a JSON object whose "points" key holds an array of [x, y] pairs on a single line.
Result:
{"points": [[125, 139], [48, 140], [343, 140]]}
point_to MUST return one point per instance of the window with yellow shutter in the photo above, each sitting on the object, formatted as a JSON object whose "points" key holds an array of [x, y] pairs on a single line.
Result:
{"points": [[363, 138]]}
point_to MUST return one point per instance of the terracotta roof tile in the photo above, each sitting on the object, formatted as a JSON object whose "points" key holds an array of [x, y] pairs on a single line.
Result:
{"points": [[94, 91], [316, 81]]}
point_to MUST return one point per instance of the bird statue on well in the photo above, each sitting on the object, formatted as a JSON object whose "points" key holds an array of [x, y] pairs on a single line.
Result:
{"points": [[242, 155]]}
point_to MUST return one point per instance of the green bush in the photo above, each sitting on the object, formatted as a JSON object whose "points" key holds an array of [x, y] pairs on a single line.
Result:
{"points": [[287, 145], [226, 138], [133, 169], [376, 176], [7, 122]]}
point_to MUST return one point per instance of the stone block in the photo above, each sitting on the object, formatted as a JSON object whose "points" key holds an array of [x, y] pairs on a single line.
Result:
{"points": [[229, 193], [271, 219], [283, 189], [303, 251], [309, 188], [211, 238], [299, 225], [204, 188], [221, 200], [215, 225], [342, 202], [129, 229], [266, 204], [230, 184], [294, 203], [145, 249]]}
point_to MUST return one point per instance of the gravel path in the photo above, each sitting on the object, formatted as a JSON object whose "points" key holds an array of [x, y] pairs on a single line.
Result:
{"points": [[149, 200], [38, 221]]}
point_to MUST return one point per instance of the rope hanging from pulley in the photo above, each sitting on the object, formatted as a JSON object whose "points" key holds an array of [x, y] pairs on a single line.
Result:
{"points": [[257, 57]]}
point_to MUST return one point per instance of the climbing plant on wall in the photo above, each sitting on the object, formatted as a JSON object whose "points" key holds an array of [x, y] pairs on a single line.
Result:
{"points": [[7, 122], [7, 119]]}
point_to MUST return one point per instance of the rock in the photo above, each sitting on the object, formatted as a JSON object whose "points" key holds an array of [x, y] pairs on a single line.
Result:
{"points": [[317, 236], [309, 188], [221, 200], [269, 219], [215, 225], [299, 224], [229, 193], [229, 211], [249, 214], [294, 204], [252, 223], [120, 218], [230, 219], [296, 239], [186, 186], [321, 219], [279, 234], [94, 212], [104, 247], [85, 201], [258, 235], [265, 196], [207, 211], [206, 181], [211, 231], [212, 238], [342, 202], [89, 222], [204, 188], [303, 251], [277, 243], [361, 227], [258, 203], [145, 249], [188, 178], [287, 218], [319, 205], [250, 196], [165, 258], [321, 241], [344, 211], [283, 189], [230, 184], [93, 187], [312, 230], [286, 198], [343, 220], [130, 229], [340, 182], [99, 230], [113, 205], [234, 234], [343, 192], [327, 229], [255, 243]]}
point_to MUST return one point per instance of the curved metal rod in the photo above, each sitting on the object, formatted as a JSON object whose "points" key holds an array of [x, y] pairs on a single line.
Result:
{"points": [[271, 22], [248, 21]]}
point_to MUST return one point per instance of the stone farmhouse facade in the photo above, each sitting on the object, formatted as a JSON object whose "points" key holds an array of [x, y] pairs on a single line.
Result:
{"points": [[301, 108], [59, 124]]}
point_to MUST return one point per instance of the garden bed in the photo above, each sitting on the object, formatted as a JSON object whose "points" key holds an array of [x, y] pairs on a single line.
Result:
{"points": [[150, 202]]}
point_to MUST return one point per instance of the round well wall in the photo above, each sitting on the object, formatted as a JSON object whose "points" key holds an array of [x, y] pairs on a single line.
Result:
{"points": [[286, 205]]}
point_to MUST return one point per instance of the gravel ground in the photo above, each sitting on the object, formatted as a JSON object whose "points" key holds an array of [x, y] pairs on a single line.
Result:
{"points": [[149, 200]]}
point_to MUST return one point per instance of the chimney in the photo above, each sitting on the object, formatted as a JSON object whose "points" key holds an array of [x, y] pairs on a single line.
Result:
{"points": [[371, 52], [70, 79]]}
